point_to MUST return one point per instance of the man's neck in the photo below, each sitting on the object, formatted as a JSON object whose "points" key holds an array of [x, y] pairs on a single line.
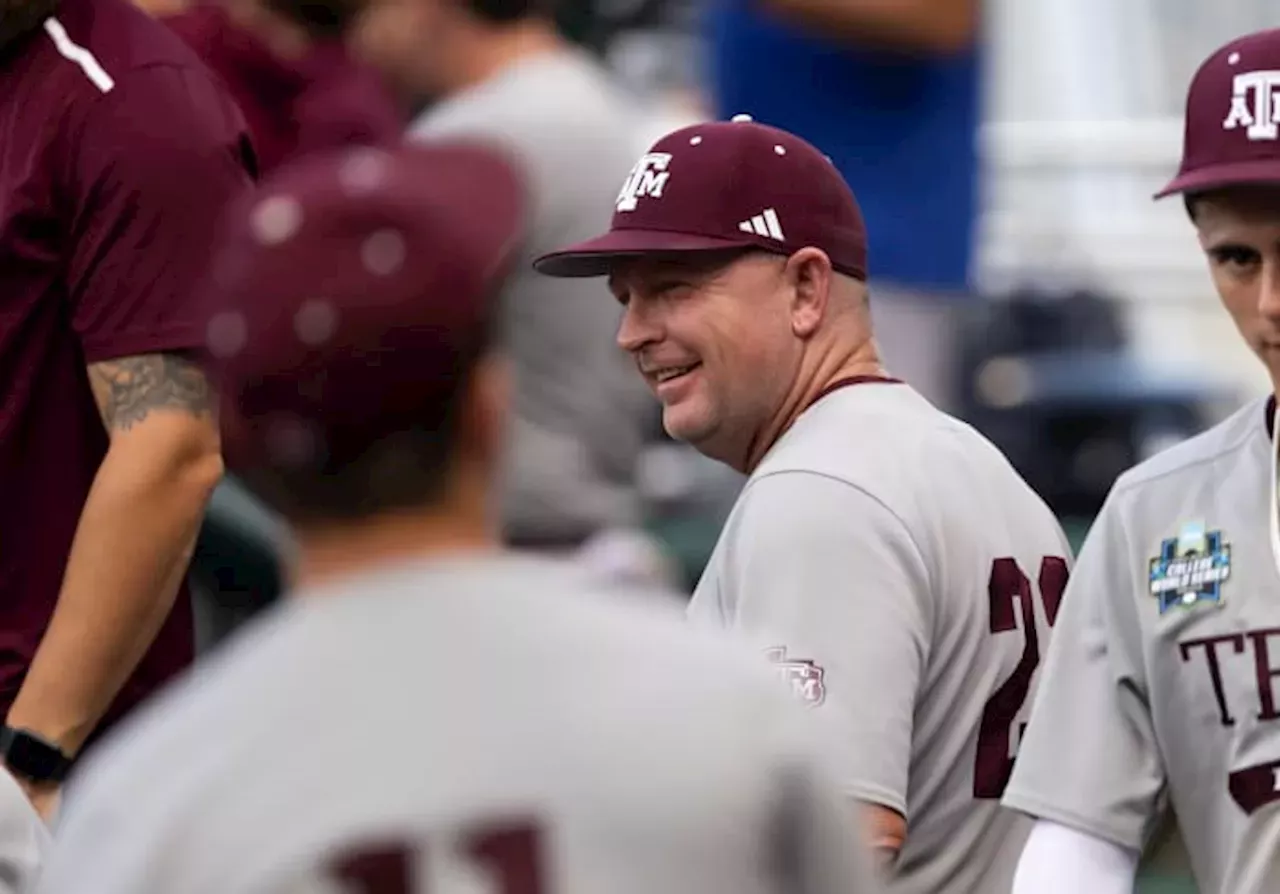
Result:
{"points": [[329, 552], [493, 51], [826, 370]]}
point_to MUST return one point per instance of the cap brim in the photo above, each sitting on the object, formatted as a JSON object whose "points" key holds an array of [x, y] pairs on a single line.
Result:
{"points": [[1240, 173], [596, 257]]}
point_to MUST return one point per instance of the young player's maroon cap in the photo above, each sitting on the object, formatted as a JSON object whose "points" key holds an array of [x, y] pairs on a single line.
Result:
{"points": [[724, 185], [1231, 118], [351, 293]]}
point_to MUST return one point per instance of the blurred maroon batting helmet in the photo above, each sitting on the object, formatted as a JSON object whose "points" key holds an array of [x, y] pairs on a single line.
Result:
{"points": [[724, 185], [352, 292], [1232, 128]]}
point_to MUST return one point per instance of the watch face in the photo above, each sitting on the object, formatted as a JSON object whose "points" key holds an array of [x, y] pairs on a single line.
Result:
{"points": [[33, 759]]}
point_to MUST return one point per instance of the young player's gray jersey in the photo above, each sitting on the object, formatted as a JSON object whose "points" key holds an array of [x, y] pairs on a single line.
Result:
{"points": [[908, 578], [481, 726], [1161, 683]]}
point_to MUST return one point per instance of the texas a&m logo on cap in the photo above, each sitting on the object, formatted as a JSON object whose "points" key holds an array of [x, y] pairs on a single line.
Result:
{"points": [[807, 679], [1255, 104], [647, 178]]}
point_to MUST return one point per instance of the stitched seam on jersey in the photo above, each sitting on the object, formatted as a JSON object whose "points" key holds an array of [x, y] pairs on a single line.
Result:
{"points": [[860, 489], [1240, 442], [1135, 606], [931, 620]]}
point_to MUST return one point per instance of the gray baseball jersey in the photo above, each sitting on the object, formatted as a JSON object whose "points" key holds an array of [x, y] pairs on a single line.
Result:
{"points": [[479, 726], [24, 838], [1160, 686], [580, 411], [907, 579]]}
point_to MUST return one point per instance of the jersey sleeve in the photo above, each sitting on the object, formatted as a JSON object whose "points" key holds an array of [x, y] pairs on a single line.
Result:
{"points": [[152, 164], [1089, 758], [834, 581], [815, 841]]}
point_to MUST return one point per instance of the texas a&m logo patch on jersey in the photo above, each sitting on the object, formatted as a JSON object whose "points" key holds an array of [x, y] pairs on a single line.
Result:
{"points": [[1191, 568], [806, 678]]}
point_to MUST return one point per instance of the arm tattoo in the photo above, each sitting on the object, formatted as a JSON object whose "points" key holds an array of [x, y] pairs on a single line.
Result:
{"points": [[128, 389]]}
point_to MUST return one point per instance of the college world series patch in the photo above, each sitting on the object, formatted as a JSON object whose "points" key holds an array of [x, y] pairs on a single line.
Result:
{"points": [[1191, 568], [806, 679]]}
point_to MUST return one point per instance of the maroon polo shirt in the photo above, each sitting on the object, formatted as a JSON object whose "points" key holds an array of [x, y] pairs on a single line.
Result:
{"points": [[119, 150], [293, 106]]}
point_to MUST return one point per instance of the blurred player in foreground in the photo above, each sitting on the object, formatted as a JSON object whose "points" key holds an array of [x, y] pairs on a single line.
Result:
{"points": [[24, 838], [120, 149], [427, 712], [905, 574], [1160, 689]]}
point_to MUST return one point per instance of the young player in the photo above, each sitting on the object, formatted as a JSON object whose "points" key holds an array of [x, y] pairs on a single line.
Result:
{"points": [[1159, 689]]}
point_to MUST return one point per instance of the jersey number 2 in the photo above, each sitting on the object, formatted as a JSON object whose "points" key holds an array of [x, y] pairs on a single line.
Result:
{"points": [[993, 763], [510, 853]]}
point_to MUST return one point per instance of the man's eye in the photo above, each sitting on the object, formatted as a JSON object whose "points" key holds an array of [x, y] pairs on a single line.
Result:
{"points": [[670, 288]]}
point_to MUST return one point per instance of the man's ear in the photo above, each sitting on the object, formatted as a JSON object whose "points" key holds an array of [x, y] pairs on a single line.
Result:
{"points": [[485, 408], [808, 276]]}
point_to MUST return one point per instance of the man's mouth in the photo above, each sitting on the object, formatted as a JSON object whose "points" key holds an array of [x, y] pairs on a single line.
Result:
{"points": [[673, 372]]}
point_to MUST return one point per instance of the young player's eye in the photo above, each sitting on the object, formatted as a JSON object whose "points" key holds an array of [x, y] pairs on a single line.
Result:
{"points": [[1237, 256]]}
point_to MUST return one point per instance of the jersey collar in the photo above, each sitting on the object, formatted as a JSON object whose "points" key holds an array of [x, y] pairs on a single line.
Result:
{"points": [[854, 380]]}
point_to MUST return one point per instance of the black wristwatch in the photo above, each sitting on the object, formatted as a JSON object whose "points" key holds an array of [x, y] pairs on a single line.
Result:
{"points": [[31, 757]]}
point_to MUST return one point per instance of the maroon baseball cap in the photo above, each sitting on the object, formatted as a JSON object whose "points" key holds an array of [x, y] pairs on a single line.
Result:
{"points": [[350, 294], [723, 185], [1231, 126]]}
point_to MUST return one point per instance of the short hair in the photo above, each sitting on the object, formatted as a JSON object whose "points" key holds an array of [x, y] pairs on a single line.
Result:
{"points": [[19, 18], [320, 18], [503, 12], [408, 469]]}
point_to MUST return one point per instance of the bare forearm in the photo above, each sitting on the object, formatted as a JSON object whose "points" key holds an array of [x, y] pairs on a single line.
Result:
{"points": [[931, 26], [884, 831], [127, 561]]}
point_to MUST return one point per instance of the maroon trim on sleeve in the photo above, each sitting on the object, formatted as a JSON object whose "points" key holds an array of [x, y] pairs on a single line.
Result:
{"points": [[176, 337]]}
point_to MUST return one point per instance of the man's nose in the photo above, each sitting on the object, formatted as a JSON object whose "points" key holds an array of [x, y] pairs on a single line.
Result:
{"points": [[1269, 290], [638, 326]]}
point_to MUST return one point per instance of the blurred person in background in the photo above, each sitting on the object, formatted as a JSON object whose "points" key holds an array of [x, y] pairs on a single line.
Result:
{"points": [[287, 68], [891, 92], [498, 69], [120, 151], [429, 710]]}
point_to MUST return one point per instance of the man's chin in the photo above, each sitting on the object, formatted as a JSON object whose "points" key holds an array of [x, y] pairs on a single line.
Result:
{"points": [[687, 428]]}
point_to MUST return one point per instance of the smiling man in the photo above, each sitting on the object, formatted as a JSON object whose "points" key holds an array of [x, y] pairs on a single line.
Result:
{"points": [[1160, 690], [904, 574]]}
